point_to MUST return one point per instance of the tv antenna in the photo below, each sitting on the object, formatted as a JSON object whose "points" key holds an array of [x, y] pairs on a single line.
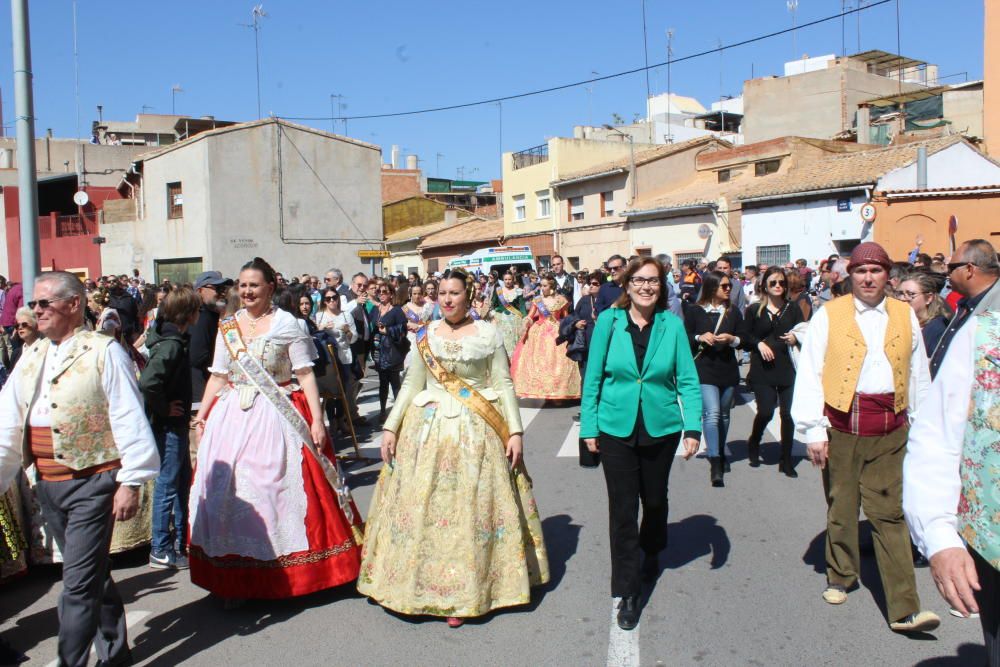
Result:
{"points": [[256, 14], [793, 6]]}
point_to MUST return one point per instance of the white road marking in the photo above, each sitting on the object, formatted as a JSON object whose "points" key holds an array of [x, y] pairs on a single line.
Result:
{"points": [[132, 618], [623, 646], [527, 416], [570, 447]]}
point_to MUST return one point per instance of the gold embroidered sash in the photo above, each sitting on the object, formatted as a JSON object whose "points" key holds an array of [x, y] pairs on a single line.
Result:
{"points": [[256, 375], [544, 310], [461, 390], [510, 307]]}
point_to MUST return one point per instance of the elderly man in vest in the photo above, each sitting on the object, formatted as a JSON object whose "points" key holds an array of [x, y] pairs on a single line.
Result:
{"points": [[861, 376], [951, 477], [73, 410]]}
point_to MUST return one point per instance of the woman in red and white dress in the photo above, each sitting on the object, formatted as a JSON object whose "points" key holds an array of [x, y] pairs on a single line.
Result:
{"points": [[270, 514]]}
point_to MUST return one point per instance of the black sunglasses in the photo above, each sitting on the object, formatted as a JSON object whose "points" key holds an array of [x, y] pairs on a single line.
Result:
{"points": [[776, 283], [331, 298], [595, 284], [45, 303], [726, 286], [952, 266]]}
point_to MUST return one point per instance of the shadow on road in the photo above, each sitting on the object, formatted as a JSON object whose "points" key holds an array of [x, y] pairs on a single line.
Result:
{"points": [[182, 633], [967, 654], [696, 536]]}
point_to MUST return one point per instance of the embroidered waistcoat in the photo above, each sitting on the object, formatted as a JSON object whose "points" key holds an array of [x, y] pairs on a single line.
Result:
{"points": [[979, 505], [81, 427], [846, 350]]}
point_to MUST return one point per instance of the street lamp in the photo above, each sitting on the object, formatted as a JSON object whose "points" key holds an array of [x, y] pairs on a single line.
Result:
{"points": [[631, 160]]}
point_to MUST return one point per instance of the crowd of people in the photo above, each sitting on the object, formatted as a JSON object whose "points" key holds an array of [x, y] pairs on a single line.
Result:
{"points": [[863, 357]]}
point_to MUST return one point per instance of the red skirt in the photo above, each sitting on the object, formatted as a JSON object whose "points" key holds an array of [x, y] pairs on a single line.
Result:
{"points": [[332, 559]]}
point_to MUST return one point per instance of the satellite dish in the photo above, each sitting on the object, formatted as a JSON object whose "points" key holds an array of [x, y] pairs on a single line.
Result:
{"points": [[704, 231], [81, 198]]}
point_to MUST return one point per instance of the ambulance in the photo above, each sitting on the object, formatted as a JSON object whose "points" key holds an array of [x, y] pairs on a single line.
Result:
{"points": [[499, 259]]}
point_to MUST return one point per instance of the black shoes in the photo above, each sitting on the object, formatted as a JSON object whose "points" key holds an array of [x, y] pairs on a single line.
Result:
{"points": [[628, 612], [753, 453], [715, 466], [786, 462], [724, 461]]}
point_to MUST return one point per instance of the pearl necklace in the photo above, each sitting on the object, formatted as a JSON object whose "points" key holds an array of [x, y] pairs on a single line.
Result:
{"points": [[252, 321]]}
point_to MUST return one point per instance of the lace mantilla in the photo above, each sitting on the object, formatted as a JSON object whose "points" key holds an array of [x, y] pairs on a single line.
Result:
{"points": [[473, 347]]}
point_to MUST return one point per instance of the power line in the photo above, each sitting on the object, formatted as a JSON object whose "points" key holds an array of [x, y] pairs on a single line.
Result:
{"points": [[607, 77]]}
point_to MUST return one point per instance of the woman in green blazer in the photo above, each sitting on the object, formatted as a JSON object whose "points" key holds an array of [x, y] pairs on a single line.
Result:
{"points": [[640, 393]]}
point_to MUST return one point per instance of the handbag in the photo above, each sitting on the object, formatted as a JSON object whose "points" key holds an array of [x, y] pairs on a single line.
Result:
{"points": [[718, 323]]}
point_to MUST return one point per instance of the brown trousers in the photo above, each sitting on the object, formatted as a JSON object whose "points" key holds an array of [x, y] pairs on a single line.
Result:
{"points": [[867, 472]]}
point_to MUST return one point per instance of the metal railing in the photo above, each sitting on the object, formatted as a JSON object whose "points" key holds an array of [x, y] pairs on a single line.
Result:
{"points": [[62, 226], [531, 156]]}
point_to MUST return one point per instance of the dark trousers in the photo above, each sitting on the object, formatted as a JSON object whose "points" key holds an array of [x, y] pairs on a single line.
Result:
{"points": [[988, 599], [635, 474], [386, 379], [867, 472], [171, 489], [768, 398], [78, 512]]}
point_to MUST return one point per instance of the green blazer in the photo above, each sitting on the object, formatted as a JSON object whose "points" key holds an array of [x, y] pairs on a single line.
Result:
{"points": [[667, 385]]}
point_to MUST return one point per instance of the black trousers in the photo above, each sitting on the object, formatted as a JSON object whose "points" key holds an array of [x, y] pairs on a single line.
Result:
{"points": [[988, 599], [386, 379], [78, 512], [768, 398], [635, 474]]}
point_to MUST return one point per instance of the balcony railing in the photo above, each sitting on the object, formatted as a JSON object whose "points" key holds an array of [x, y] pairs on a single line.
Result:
{"points": [[531, 156], [62, 226]]}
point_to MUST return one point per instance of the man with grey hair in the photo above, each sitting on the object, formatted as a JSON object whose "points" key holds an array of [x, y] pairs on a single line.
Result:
{"points": [[335, 278], [72, 414], [972, 272]]}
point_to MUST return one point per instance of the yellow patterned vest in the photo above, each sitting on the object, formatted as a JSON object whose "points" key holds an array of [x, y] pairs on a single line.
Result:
{"points": [[846, 350], [81, 427]]}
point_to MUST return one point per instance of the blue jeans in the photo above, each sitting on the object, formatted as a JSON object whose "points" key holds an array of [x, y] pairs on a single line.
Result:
{"points": [[170, 493], [716, 403]]}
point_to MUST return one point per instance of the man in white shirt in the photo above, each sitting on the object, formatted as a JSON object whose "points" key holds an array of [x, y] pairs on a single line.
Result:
{"points": [[951, 491], [564, 281], [73, 412], [862, 373]]}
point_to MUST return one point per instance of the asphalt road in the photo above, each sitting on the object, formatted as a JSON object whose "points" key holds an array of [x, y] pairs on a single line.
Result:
{"points": [[741, 586]]}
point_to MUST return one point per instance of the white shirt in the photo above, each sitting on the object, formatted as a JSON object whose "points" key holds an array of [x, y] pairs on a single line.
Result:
{"points": [[326, 321], [931, 482], [129, 427], [876, 372]]}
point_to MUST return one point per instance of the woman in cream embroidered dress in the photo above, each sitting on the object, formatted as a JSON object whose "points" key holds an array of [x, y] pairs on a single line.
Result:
{"points": [[539, 366], [453, 528], [265, 520], [508, 316]]}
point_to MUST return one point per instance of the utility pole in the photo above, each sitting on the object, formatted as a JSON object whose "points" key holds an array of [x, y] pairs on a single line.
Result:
{"points": [[793, 5], [437, 168], [670, 101], [24, 119], [176, 88], [645, 49], [76, 72], [256, 15]]}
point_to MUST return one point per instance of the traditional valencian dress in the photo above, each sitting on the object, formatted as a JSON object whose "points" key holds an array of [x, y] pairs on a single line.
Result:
{"points": [[452, 530], [508, 313], [270, 514], [539, 366]]}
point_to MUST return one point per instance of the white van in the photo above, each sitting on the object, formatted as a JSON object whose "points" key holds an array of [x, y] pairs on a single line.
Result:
{"points": [[499, 259]]}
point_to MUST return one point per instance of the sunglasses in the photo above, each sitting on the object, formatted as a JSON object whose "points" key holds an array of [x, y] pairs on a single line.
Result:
{"points": [[45, 303], [953, 266], [726, 286], [615, 268], [776, 283], [595, 284], [330, 298], [22, 325]]}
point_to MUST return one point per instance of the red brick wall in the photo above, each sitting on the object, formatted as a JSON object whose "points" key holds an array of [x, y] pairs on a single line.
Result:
{"points": [[400, 183]]}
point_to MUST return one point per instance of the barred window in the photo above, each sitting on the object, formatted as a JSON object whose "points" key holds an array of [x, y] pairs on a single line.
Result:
{"points": [[175, 201], [773, 255]]}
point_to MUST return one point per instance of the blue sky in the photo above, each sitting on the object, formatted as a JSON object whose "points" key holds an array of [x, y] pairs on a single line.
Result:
{"points": [[388, 56]]}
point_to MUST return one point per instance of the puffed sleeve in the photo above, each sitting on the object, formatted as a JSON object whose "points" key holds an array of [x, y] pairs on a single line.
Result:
{"points": [[414, 382], [504, 387], [220, 359], [302, 352]]}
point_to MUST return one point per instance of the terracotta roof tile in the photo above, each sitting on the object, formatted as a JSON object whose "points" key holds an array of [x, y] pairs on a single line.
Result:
{"points": [[469, 231], [644, 157], [862, 168]]}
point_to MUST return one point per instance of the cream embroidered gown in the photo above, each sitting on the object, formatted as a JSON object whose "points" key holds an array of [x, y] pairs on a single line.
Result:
{"points": [[451, 530]]}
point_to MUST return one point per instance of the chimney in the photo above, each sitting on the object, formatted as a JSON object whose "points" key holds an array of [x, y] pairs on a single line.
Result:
{"points": [[864, 124], [922, 168], [450, 216], [411, 162], [395, 156]]}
